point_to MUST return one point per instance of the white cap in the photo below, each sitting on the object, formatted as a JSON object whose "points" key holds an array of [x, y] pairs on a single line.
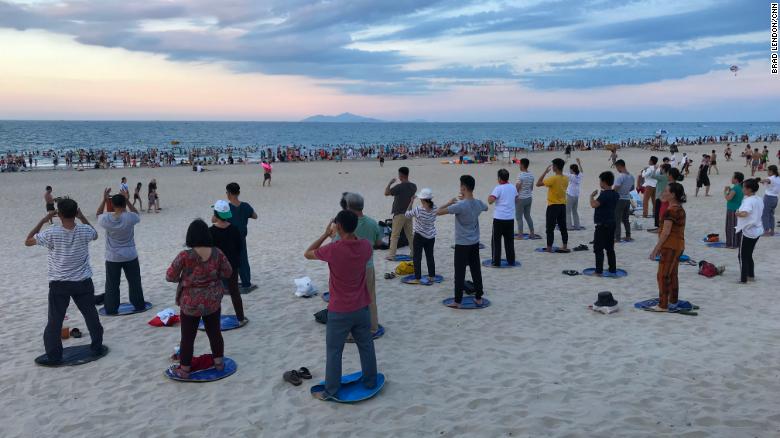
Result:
{"points": [[223, 209], [426, 193]]}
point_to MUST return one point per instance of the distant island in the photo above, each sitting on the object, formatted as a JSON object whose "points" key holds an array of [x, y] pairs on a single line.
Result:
{"points": [[341, 118]]}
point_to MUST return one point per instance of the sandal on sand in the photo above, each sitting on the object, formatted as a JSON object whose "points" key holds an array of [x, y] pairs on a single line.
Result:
{"points": [[562, 251], [304, 373], [571, 272], [292, 377], [389, 275], [75, 333], [581, 248]]}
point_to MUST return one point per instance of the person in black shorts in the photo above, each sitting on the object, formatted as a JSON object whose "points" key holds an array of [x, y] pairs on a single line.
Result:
{"points": [[703, 178], [267, 173], [49, 200]]}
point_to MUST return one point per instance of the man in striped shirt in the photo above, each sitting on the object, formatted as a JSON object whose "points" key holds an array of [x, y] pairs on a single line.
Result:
{"points": [[70, 275]]}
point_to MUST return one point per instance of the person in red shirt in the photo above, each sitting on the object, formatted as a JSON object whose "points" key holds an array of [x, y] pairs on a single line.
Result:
{"points": [[349, 299]]}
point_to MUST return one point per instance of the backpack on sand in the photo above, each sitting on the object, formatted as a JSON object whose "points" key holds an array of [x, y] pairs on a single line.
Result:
{"points": [[707, 269], [404, 268]]}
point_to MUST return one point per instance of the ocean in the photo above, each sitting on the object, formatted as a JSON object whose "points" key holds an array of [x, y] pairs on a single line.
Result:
{"points": [[20, 136]]}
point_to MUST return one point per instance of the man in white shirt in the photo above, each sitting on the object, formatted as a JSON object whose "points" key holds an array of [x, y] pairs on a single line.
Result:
{"points": [[650, 182], [503, 196], [749, 228]]}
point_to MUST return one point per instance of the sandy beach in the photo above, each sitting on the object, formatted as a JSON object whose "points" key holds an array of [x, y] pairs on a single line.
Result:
{"points": [[537, 363]]}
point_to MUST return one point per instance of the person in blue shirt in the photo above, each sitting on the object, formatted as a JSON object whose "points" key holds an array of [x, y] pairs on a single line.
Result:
{"points": [[605, 221], [241, 213]]}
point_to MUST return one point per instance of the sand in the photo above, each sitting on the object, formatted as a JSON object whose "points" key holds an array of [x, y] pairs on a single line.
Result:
{"points": [[536, 363]]}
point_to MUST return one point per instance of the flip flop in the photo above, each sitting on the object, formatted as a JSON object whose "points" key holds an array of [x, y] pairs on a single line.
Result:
{"points": [[292, 377], [304, 373], [581, 248], [562, 251], [389, 275], [571, 272], [75, 333]]}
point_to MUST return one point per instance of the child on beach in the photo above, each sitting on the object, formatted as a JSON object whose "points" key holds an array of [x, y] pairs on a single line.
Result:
{"points": [[424, 233], [199, 272], [749, 228], [503, 195], [348, 311], [604, 220], [267, 168], [733, 195], [556, 203], [466, 210], [525, 187], [670, 246], [771, 193], [574, 175], [228, 239]]}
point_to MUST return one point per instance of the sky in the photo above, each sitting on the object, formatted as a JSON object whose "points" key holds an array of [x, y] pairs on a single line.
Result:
{"points": [[437, 60]]}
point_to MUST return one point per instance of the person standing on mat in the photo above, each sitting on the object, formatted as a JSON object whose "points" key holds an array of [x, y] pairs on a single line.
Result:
{"points": [[424, 234], [749, 228], [121, 254], [624, 183], [524, 187], [504, 196], [70, 275], [650, 183], [573, 195], [228, 239], [402, 195], [348, 311], [604, 220], [733, 195], [199, 272], [670, 246], [466, 210], [241, 212], [368, 229], [556, 203], [771, 193]]}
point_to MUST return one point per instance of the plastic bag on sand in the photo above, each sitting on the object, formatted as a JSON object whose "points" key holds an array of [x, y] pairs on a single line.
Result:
{"points": [[304, 287]]}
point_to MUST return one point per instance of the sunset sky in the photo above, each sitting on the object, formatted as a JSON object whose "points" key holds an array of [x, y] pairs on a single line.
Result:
{"points": [[449, 60]]}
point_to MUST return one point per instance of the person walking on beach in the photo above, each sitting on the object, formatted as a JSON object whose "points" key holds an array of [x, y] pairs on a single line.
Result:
{"points": [[670, 246], [368, 229], [199, 272], [48, 199], [703, 177], [771, 193], [714, 162], [121, 253], [402, 195], [525, 187], [241, 212], [137, 197], [604, 220], [70, 275], [755, 161], [267, 169], [153, 197], [466, 210], [348, 307], [613, 156], [624, 183], [574, 175], [424, 233], [733, 195], [686, 164], [556, 203], [749, 228], [648, 198], [504, 196], [228, 239], [123, 187]]}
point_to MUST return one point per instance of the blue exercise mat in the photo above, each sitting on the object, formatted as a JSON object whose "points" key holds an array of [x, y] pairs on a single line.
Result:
{"points": [[402, 258], [424, 280], [226, 322], [326, 297], [592, 272], [352, 389], [126, 309], [717, 245], [468, 303], [683, 258], [652, 302], [207, 375], [71, 356], [380, 331], [504, 263]]}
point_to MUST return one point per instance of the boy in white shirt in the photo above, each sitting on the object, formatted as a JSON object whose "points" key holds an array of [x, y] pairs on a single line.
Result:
{"points": [[503, 195]]}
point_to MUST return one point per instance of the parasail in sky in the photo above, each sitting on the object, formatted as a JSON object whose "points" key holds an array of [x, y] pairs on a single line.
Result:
{"points": [[734, 69]]}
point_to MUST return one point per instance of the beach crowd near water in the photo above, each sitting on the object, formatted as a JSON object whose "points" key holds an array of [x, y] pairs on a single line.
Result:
{"points": [[178, 155]]}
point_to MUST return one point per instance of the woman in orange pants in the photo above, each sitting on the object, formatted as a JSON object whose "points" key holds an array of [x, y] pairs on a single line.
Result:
{"points": [[670, 246]]}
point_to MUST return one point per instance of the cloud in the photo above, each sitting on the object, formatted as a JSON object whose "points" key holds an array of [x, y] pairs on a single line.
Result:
{"points": [[416, 46]]}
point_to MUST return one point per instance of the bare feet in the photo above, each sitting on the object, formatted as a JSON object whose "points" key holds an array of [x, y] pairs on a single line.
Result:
{"points": [[454, 305], [657, 309]]}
